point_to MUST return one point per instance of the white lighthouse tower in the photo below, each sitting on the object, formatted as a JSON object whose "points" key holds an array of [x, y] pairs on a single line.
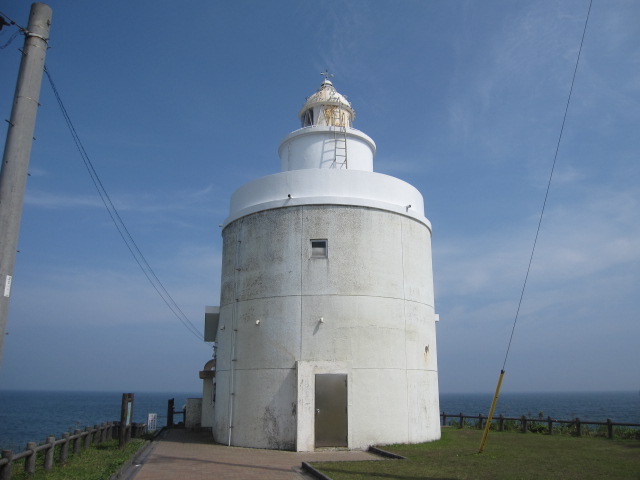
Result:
{"points": [[326, 331]]}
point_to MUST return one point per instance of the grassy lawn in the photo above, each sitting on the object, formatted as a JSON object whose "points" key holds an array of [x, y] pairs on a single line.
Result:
{"points": [[96, 463], [507, 455]]}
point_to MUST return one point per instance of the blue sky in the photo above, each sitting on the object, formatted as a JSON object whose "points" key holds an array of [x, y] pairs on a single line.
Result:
{"points": [[180, 103]]}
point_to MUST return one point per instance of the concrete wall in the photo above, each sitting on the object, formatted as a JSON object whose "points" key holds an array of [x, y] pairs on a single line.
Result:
{"points": [[365, 311], [208, 392], [316, 147], [193, 413]]}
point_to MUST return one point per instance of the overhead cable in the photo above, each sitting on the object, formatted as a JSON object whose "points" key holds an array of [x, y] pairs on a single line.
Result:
{"points": [[535, 241], [5, 20], [119, 223], [546, 195]]}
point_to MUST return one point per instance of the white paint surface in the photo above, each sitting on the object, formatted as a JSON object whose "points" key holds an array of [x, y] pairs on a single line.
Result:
{"points": [[7, 286], [315, 147], [374, 293], [327, 187], [366, 310]]}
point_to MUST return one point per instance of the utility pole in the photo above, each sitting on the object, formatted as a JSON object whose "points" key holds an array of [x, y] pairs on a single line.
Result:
{"points": [[17, 149]]}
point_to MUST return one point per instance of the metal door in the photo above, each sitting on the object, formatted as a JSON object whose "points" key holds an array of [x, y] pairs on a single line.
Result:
{"points": [[331, 410]]}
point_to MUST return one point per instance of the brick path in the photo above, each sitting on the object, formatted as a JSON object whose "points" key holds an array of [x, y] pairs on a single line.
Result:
{"points": [[186, 455]]}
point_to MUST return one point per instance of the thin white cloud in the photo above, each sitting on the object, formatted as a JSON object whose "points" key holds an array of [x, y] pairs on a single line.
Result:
{"points": [[393, 165], [567, 174], [509, 88], [44, 199], [37, 172], [591, 238], [140, 202], [106, 296]]}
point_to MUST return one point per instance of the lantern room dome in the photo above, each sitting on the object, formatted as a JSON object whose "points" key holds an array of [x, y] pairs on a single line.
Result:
{"points": [[327, 107]]}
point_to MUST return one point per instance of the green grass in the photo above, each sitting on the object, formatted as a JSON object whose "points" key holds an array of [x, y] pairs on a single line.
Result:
{"points": [[96, 463], [507, 455]]}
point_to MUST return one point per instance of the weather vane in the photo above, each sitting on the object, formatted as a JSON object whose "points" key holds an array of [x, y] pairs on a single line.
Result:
{"points": [[326, 74]]}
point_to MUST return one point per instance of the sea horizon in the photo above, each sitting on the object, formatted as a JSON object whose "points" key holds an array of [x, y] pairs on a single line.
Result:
{"points": [[199, 392], [33, 414]]}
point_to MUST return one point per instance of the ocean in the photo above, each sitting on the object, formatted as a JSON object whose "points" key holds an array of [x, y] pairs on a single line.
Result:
{"points": [[31, 416], [621, 407], [27, 416]]}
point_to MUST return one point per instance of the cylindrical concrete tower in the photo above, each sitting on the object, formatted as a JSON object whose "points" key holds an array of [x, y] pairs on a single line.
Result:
{"points": [[326, 335]]}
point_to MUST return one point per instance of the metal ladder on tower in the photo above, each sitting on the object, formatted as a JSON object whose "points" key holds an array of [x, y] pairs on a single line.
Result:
{"points": [[340, 139]]}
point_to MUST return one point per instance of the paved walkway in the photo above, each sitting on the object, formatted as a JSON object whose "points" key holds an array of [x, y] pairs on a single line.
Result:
{"points": [[186, 455]]}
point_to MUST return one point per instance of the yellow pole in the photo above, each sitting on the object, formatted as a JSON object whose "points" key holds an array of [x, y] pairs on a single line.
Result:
{"points": [[493, 407]]}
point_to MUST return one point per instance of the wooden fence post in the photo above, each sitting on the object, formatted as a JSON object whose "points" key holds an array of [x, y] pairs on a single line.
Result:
{"points": [[550, 425], [48, 454], [30, 460], [126, 419], [523, 419], [444, 419], [64, 449], [5, 470], [97, 436], [609, 428], [77, 441], [480, 417], [137, 430], [170, 413], [461, 420], [87, 438], [578, 429], [501, 423]]}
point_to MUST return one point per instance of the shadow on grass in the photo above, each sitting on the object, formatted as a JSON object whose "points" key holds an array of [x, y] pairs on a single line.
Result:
{"points": [[384, 475], [631, 445]]}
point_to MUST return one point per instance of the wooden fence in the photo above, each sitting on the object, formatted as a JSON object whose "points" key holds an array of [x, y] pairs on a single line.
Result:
{"points": [[172, 412], [527, 422], [68, 443]]}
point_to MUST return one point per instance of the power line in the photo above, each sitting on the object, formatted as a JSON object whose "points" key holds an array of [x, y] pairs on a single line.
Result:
{"points": [[546, 195], [3, 22], [535, 241], [11, 21], [11, 39], [119, 223]]}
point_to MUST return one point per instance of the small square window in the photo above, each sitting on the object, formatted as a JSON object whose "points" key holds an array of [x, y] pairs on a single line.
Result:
{"points": [[318, 248]]}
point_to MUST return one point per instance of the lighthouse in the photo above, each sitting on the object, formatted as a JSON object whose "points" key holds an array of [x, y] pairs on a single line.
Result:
{"points": [[326, 327]]}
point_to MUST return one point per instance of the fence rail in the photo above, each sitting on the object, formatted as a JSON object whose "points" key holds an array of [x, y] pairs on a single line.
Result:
{"points": [[69, 442], [526, 422], [172, 412]]}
